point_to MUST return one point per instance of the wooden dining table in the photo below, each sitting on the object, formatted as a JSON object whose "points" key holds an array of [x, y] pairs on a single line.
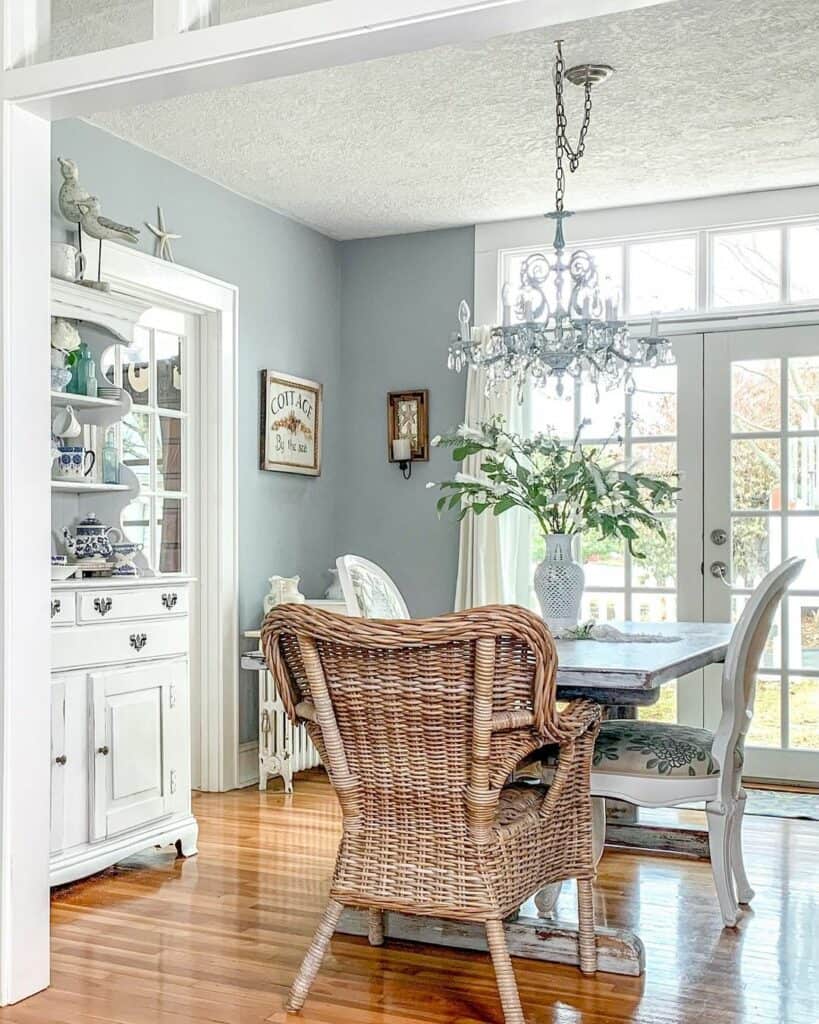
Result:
{"points": [[621, 676]]}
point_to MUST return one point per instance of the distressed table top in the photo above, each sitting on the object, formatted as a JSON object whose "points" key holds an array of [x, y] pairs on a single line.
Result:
{"points": [[624, 673]]}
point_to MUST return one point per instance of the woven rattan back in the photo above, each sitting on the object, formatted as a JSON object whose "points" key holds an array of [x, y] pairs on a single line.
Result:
{"points": [[418, 722]]}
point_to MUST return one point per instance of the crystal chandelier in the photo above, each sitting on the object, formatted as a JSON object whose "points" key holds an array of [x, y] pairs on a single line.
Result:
{"points": [[561, 320]]}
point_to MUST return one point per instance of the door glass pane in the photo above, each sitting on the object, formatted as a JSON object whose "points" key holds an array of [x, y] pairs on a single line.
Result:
{"points": [[803, 467], [603, 562], [755, 395], [662, 276], [169, 453], [168, 353], [169, 534], [746, 268], [755, 476], [603, 607], [136, 368], [655, 458], [136, 445], [803, 393], [803, 696], [804, 633], [766, 727], [659, 567], [665, 710], [654, 402], [803, 541], [653, 607], [803, 252], [756, 548], [772, 652], [136, 522]]}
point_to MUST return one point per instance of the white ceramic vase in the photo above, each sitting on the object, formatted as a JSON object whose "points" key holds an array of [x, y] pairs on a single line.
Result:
{"points": [[559, 583]]}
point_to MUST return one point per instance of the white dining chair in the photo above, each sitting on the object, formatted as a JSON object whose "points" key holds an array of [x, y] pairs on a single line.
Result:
{"points": [[656, 764], [369, 592]]}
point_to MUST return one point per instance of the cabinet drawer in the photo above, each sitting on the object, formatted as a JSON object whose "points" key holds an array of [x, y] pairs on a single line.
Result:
{"points": [[116, 643], [62, 608], [114, 605]]}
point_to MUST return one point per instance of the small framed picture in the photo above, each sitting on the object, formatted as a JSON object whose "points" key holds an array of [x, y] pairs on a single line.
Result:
{"points": [[408, 420], [291, 424]]}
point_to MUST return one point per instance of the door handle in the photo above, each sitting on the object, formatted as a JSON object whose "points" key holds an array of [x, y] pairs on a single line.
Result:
{"points": [[719, 537]]}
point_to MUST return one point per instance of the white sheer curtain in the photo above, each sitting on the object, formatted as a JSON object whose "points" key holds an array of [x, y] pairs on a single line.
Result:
{"points": [[493, 561]]}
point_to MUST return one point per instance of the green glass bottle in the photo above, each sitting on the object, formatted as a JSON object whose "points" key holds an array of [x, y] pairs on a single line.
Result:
{"points": [[83, 369]]}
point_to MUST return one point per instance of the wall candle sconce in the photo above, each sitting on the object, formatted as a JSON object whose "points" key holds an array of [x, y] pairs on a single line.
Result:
{"points": [[407, 429]]}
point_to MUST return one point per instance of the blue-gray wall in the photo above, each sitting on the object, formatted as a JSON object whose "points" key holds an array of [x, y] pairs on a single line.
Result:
{"points": [[289, 304], [399, 305]]}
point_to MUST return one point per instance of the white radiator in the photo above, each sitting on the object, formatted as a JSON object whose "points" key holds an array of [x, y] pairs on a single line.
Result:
{"points": [[284, 748]]}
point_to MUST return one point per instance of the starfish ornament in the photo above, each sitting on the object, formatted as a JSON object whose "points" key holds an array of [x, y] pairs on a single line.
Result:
{"points": [[163, 237]]}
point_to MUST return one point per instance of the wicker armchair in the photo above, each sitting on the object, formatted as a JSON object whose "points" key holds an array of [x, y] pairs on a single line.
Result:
{"points": [[420, 724]]}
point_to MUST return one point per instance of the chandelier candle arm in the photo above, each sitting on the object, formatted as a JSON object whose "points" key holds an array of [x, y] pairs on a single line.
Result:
{"points": [[562, 322]]}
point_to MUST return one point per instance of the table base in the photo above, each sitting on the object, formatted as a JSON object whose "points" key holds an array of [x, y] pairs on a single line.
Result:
{"points": [[619, 951], [680, 841]]}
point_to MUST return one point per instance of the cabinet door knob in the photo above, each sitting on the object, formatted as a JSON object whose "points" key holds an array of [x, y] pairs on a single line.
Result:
{"points": [[102, 750], [138, 640], [62, 759]]}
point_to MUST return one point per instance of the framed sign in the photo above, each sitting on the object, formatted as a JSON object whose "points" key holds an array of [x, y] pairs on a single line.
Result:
{"points": [[291, 423], [408, 419]]}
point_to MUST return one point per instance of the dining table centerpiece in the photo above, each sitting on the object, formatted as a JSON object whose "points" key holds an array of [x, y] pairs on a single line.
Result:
{"points": [[570, 488]]}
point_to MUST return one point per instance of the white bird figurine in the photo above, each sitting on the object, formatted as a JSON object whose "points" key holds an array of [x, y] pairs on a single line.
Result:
{"points": [[71, 194], [97, 226]]}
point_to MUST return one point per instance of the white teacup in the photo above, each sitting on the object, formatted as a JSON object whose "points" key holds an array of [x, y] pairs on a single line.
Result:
{"points": [[65, 424], [67, 262]]}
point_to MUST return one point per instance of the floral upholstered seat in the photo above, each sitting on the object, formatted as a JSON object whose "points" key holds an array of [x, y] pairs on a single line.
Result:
{"points": [[655, 748]]}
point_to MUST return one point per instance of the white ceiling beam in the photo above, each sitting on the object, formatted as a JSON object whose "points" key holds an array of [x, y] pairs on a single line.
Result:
{"points": [[26, 32], [329, 34], [174, 16]]}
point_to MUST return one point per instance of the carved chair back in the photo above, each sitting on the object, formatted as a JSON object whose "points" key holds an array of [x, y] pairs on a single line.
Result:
{"points": [[369, 592], [741, 668]]}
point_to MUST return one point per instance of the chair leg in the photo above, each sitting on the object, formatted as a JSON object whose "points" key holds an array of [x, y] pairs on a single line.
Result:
{"points": [[313, 957], [502, 962], [587, 939], [719, 842], [375, 926], [744, 891]]}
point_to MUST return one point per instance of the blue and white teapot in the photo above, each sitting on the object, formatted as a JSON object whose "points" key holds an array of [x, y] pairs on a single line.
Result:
{"points": [[92, 539]]}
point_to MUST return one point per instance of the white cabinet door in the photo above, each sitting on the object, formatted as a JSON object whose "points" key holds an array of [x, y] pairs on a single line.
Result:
{"points": [[59, 759], [136, 753]]}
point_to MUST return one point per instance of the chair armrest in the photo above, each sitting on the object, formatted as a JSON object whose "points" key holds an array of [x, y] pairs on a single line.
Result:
{"points": [[578, 718]]}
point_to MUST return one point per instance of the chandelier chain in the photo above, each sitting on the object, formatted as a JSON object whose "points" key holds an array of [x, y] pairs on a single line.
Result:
{"points": [[563, 148]]}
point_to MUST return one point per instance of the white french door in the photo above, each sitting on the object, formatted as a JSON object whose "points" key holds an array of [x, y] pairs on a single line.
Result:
{"points": [[761, 505]]}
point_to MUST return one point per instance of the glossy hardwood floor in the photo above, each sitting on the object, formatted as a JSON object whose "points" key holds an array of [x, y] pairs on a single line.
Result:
{"points": [[218, 938]]}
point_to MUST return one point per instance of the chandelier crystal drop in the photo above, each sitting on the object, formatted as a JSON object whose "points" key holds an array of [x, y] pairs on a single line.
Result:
{"points": [[561, 321]]}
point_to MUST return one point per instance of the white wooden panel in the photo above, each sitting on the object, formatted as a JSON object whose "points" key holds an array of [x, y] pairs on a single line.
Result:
{"points": [[113, 644], [75, 772], [115, 604], [136, 759], [58, 767]]}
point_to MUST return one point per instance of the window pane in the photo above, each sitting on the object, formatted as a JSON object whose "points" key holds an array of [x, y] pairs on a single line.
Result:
{"points": [[659, 567], [755, 403], [136, 445], [803, 393], [550, 414], [766, 728], [136, 370], [662, 276], [653, 607], [803, 467], [746, 268], [606, 415], [803, 541], [803, 695], [136, 522], [169, 446], [169, 534], [168, 354], [803, 258], [656, 458], [755, 476], [756, 548], [88, 27], [654, 402], [108, 366], [239, 10], [603, 562], [803, 632], [665, 710], [603, 607], [772, 653]]}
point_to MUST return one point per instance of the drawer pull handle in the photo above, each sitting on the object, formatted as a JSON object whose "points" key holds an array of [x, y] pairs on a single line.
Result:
{"points": [[102, 605], [62, 759], [56, 605], [138, 640], [169, 600], [102, 750]]}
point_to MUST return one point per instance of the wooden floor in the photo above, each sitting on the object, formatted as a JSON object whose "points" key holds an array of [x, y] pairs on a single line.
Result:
{"points": [[217, 938]]}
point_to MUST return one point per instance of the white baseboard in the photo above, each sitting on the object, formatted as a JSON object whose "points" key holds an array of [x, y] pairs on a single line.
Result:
{"points": [[248, 770]]}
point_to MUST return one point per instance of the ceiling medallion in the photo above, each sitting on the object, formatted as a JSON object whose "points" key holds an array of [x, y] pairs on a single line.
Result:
{"points": [[561, 320]]}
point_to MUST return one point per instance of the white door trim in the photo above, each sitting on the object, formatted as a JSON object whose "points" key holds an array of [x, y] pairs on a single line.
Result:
{"points": [[216, 304]]}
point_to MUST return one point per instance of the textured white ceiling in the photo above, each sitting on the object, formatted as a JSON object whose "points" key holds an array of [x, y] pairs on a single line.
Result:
{"points": [[710, 97]]}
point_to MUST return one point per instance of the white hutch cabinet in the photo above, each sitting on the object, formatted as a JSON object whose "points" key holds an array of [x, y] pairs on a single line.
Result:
{"points": [[120, 705]]}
